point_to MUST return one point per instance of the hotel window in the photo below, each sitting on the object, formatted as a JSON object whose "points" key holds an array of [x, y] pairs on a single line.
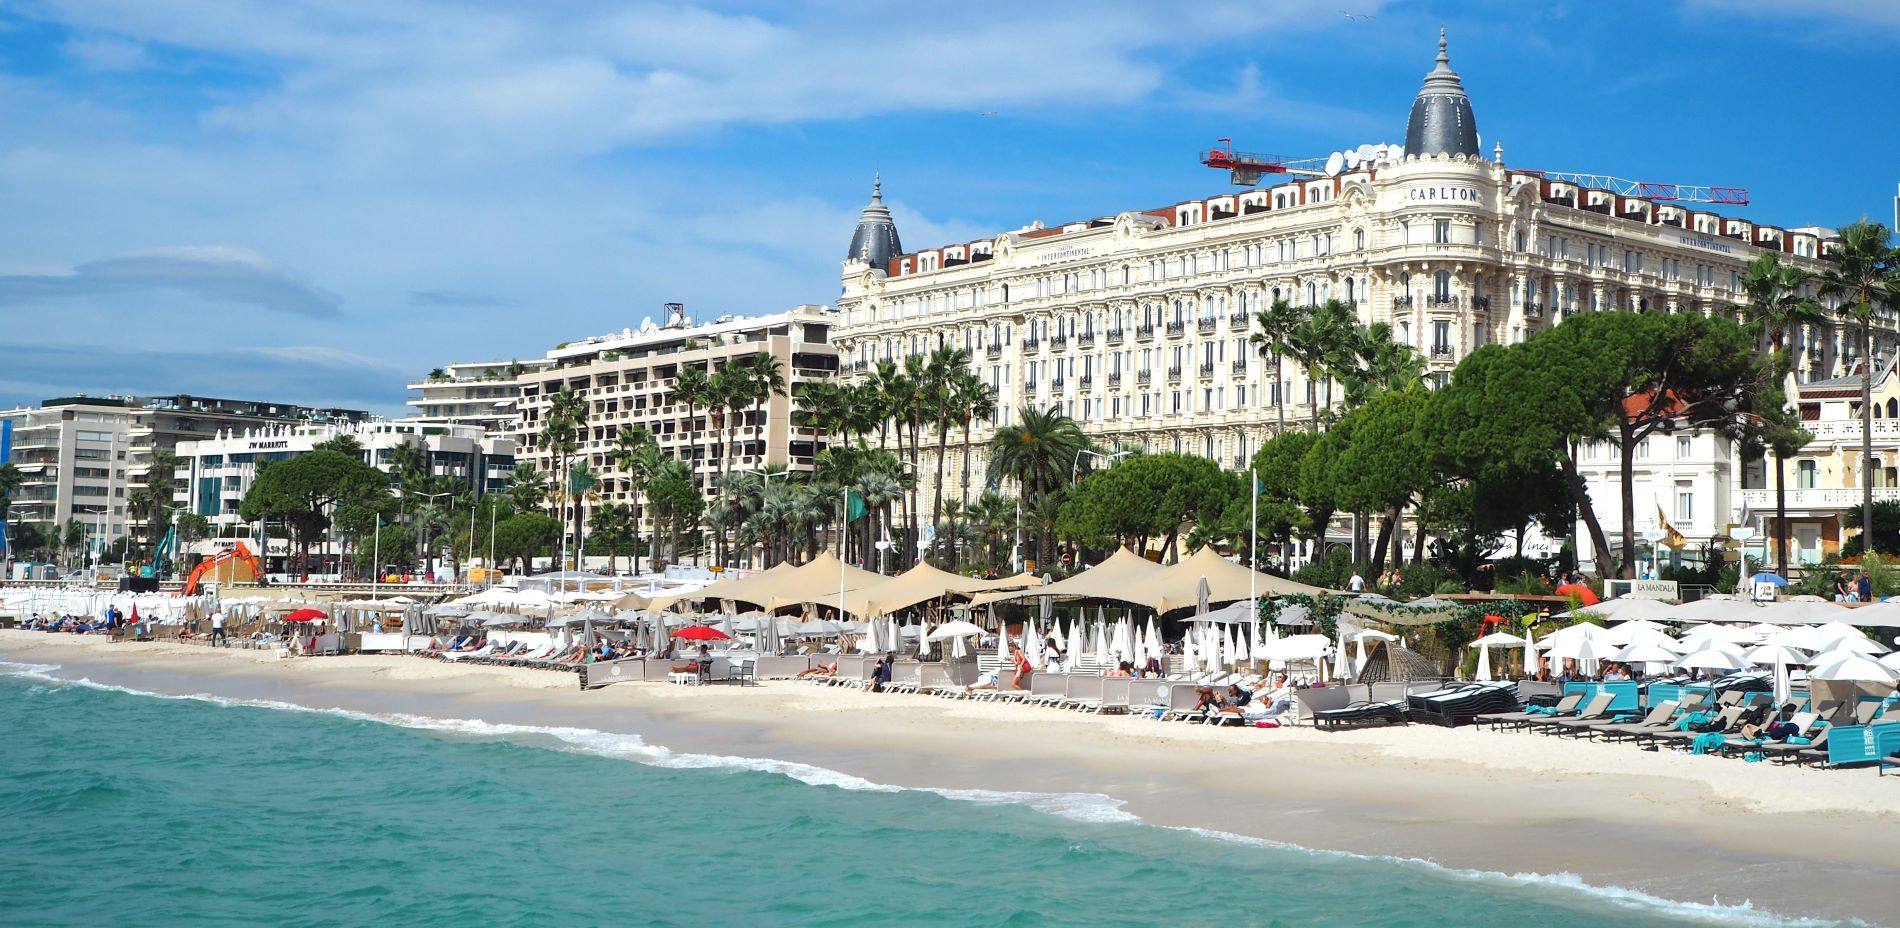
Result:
{"points": [[1441, 231], [1441, 337], [1359, 240], [1522, 240], [1682, 447], [1441, 285], [1804, 473], [1685, 502]]}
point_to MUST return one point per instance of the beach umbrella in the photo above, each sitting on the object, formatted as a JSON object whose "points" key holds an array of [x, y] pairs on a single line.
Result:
{"points": [[1076, 648], [923, 640], [1343, 669], [701, 633], [1002, 646], [1711, 659], [1856, 644], [1891, 661], [1857, 668], [1643, 653], [1104, 649], [1530, 652], [954, 629], [1498, 640], [1032, 644], [1484, 665], [305, 615], [1768, 577]]}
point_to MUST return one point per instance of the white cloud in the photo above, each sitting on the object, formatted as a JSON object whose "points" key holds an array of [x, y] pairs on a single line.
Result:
{"points": [[105, 53]]}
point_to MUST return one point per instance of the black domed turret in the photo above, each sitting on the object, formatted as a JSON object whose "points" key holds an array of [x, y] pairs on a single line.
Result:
{"points": [[1441, 120], [875, 240]]}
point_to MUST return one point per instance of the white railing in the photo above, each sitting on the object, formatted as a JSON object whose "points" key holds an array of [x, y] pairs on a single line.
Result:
{"points": [[1849, 429], [1763, 501]]}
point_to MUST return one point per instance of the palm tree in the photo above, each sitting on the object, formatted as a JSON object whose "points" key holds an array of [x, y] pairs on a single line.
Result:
{"points": [[692, 388], [821, 405], [974, 400], [632, 452], [1318, 342], [762, 379], [877, 489], [1276, 322], [1037, 453], [1380, 364], [940, 393], [614, 526], [528, 487], [1862, 275], [1775, 303], [994, 515], [560, 436]]}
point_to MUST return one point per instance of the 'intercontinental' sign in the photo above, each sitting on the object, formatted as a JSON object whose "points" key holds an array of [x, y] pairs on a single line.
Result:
{"points": [[1060, 255], [1698, 242]]}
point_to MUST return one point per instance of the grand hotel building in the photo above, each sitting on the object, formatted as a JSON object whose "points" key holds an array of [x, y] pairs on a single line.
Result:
{"points": [[1136, 324]]}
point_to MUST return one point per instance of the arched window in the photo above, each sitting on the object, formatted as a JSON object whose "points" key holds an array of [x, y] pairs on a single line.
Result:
{"points": [[1893, 409]]}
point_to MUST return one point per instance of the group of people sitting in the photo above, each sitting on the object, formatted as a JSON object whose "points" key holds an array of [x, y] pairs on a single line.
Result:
{"points": [[68, 624], [1260, 702], [1567, 671]]}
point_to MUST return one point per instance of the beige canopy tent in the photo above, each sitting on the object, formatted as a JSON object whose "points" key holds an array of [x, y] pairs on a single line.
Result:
{"points": [[1175, 586], [757, 588], [818, 580], [1103, 581], [922, 584]]}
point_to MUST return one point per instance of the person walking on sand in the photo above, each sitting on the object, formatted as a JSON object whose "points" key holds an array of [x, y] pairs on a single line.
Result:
{"points": [[1023, 668], [217, 630]]}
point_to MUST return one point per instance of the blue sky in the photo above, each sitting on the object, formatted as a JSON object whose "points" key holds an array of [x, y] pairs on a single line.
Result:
{"points": [[315, 200]]}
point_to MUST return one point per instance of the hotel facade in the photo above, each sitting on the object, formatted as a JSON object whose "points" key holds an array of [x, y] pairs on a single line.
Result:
{"points": [[1137, 324]]}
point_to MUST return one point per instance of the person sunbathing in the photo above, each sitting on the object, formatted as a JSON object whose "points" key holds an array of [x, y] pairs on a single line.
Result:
{"points": [[822, 670], [986, 682], [1125, 669]]}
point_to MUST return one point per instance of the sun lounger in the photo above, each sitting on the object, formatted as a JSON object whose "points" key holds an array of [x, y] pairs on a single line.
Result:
{"points": [[1388, 712], [1596, 711], [1565, 706], [1725, 723], [1658, 719], [1465, 702]]}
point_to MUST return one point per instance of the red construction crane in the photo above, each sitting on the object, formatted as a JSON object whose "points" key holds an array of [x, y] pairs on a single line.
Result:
{"points": [[1246, 167], [1649, 190]]}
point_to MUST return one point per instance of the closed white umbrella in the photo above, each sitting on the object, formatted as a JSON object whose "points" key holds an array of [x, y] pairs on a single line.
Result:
{"points": [[1343, 669], [1002, 645], [1530, 652], [923, 640], [1484, 664], [1104, 653], [1076, 648], [1032, 645]]}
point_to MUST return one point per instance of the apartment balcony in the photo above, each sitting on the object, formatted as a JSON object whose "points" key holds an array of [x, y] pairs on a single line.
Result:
{"points": [[1534, 311], [1087, 381], [1402, 302], [1032, 344], [1145, 332], [1029, 386], [1239, 366], [1055, 383], [1059, 342], [1115, 336], [1207, 370], [1145, 377], [1177, 329], [1174, 374], [1481, 302], [1115, 378], [1441, 302], [995, 350], [1206, 326], [1238, 321], [1847, 432], [1815, 501], [1441, 352]]}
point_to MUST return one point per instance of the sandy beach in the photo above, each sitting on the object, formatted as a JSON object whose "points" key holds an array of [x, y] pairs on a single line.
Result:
{"points": [[1793, 841]]}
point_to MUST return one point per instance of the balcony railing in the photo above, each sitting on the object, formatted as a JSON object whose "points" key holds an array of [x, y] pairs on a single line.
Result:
{"points": [[1240, 365], [1144, 376], [1177, 329], [1533, 310], [1481, 302], [1114, 378], [1055, 383], [1115, 336], [1207, 369], [1441, 301], [1815, 501], [1207, 325], [1401, 302], [1085, 340], [1174, 373], [1032, 344], [1087, 381], [1237, 321], [1058, 342], [995, 350], [1440, 352], [1144, 332]]}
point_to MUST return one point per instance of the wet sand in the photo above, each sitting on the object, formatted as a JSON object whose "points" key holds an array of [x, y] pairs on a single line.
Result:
{"points": [[1804, 842]]}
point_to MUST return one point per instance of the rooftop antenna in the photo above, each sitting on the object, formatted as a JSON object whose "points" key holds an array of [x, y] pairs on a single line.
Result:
{"points": [[675, 315]]}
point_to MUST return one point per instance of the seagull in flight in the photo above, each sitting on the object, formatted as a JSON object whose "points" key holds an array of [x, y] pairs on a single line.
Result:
{"points": [[990, 113], [1355, 17]]}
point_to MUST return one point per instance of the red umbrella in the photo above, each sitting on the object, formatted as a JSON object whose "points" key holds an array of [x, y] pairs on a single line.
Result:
{"points": [[305, 615], [702, 633], [135, 613]]}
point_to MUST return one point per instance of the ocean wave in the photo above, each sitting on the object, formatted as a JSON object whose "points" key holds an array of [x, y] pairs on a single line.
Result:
{"points": [[1094, 808]]}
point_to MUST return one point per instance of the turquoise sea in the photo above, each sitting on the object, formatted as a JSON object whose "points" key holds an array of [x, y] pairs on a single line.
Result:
{"points": [[123, 808]]}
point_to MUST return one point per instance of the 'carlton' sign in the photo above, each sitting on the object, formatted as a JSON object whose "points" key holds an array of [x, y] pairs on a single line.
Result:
{"points": [[1442, 194]]}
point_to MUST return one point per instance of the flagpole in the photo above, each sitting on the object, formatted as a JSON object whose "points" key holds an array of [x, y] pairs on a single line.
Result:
{"points": [[376, 554], [844, 506], [1253, 555]]}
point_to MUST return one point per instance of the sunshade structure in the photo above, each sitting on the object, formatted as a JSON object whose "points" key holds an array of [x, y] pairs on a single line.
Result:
{"points": [[1103, 581], [818, 580], [1802, 613], [1714, 609], [921, 584], [756, 589], [1175, 587], [1878, 615], [1625, 609]]}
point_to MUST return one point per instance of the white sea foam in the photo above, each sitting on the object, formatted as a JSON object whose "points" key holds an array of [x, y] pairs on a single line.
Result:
{"points": [[1081, 807]]}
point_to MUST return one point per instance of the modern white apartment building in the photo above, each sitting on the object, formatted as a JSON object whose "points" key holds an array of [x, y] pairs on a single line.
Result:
{"points": [[627, 379], [218, 470], [1136, 323], [481, 393]]}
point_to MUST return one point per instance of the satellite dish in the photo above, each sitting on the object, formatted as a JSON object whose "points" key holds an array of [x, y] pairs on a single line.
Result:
{"points": [[1352, 160], [1334, 163]]}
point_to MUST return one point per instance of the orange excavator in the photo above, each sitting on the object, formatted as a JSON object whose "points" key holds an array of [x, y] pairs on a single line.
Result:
{"points": [[238, 552]]}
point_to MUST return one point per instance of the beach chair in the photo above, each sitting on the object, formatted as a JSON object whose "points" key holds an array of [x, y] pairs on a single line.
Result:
{"points": [[1365, 712], [1596, 703], [1658, 719], [1783, 752], [1594, 712], [1565, 706], [1725, 723], [1084, 692]]}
